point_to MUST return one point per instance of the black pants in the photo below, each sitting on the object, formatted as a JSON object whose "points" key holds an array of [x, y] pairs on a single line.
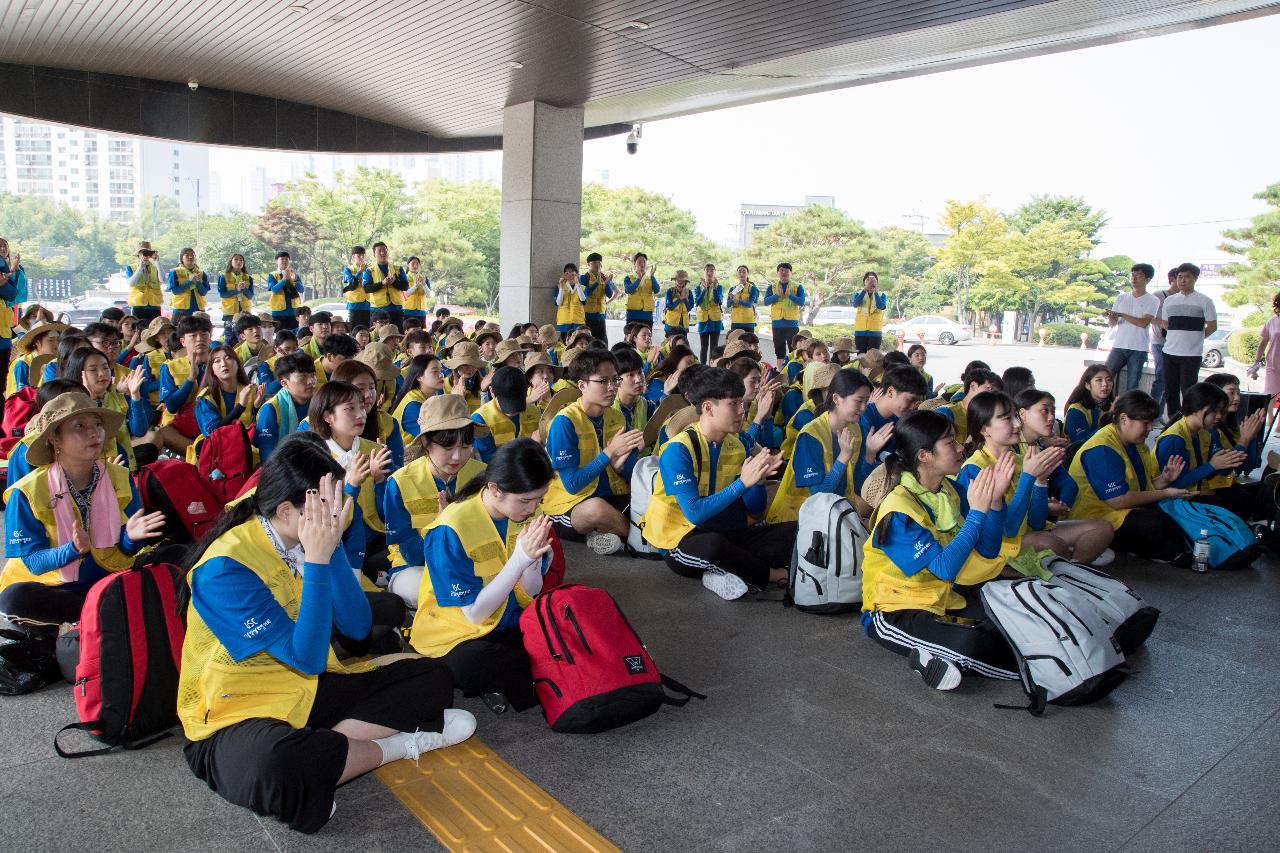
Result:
{"points": [[359, 317], [707, 343], [145, 313], [749, 553], [1247, 500], [287, 321], [291, 774], [1150, 533], [494, 663], [388, 613], [36, 605], [598, 329], [1180, 373], [782, 338], [966, 637], [862, 343], [394, 316], [564, 523]]}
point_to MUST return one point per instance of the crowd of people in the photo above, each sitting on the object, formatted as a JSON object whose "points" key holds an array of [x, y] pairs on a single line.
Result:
{"points": [[414, 477]]}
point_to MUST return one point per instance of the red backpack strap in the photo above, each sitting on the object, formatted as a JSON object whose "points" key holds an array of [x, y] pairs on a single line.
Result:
{"points": [[162, 576]]}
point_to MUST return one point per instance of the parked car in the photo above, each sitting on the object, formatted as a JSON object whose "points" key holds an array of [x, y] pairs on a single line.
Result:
{"points": [[936, 330], [89, 309], [1215, 349], [835, 314], [337, 309]]}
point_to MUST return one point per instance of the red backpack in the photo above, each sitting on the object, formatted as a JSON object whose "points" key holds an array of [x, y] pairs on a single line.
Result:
{"points": [[126, 681], [176, 489], [226, 460], [19, 408], [591, 670]]}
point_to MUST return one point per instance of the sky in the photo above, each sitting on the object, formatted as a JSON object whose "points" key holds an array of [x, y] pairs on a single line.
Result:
{"points": [[1158, 132]]}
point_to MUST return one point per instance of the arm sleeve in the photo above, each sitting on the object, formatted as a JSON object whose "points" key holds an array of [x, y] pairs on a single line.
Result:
{"points": [[859, 298], [797, 296], [139, 417], [484, 445], [351, 614], [454, 582], [992, 535], [171, 283], [1170, 446], [410, 420], [680, 480], [882, 301], [1019, 505], [769, 296], [222, 286], [395, 443], [630, 286], [1105, 472], [807, 464], [912, 548], [25, 538], [265, 433], [562, 447], [1038, 512], [175, 396], [275, 285]]}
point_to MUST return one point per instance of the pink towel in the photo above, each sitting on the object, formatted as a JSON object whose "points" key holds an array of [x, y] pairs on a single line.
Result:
{"points": [[105, 517]]}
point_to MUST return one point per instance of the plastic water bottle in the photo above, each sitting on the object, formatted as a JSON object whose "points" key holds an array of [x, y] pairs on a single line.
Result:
{"points": [[1200, 553]]}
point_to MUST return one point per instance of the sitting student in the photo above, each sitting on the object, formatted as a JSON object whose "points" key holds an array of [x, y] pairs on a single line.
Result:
{"points": [[592, 452], [281, 414], [423, 380], [635, 407], [1089, 401], [894, 358], [640, 336], [508, 353], [814, 382], [978, 381], [919, 356], [380, 427], [71, 340], [18, 466], [764, 398], [900, 391], [416, 493], [465, 373], [333, 352], [284, 343], [1036, 415], [663, 380], [321, 327], [1244, 435], [842, 352], [1208, 466], [251, 349], [1017, 379], [798, 357], [105, 338], [1119, 481], [91, 369], [965, 375], [710, 483], [40, 341], [486, 554], [226, 395], [543, 378], [179, 380], [924, 543], [994, 433], [70, 520], [831, 455], [507, 415], [299, 723]]}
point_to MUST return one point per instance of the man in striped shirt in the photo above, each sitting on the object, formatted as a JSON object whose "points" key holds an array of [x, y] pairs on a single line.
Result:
{"points": [[1187, 318]]}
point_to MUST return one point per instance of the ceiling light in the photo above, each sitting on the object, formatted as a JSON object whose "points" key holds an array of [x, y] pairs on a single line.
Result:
{"points": [[635, 25], [300, 8], [515, 66]]}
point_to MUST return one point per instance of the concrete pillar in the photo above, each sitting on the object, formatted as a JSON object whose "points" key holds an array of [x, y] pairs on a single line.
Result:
{"points": [[541, 207]]}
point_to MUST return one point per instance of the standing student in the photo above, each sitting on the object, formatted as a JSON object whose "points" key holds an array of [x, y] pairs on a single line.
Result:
{"points": [[386, 283], [235, 292], [486, 554], [642, 290], [708, 296], [143, 276], [188, 284], [1268, 353], [710, 483], [1188, 318], [592, 453], [569, 298], [1131, 317], [287, 290], [1089, 401], [280, 414], [276, 723], [1119, 481], [925, 542], [355, 277], [868, 321], [1157, 338], [507, 416], [743, 298], [1207, 464], [597, 287], [677, 305], [415, 298], [785, 301]]}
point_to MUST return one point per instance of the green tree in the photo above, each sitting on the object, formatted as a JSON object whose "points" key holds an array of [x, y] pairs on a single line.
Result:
{"points": [[829, 251], [908, 258], [1258, 276], [617, 223], [1071, 210], [974, 250], [456, 269], [468, 213], [220, 238], [154, 220], [286, 229]]}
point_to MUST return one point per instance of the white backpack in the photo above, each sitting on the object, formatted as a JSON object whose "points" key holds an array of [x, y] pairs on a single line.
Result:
{"points": [[643, 478], [1131, 618], [825, 574], [1064, 647]]}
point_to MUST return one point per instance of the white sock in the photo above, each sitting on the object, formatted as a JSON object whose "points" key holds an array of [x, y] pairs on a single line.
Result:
{"points": [[394, 747]]}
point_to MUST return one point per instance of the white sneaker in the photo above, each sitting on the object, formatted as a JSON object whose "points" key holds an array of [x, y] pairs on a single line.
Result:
{"points": [[938, 673], [604, 544], [725, 585], [1106, 558], [458, 726]]}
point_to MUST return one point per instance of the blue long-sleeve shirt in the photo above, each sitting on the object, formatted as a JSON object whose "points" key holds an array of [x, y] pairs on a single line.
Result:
{"points": [[399, 521], [562, 447], [138, 417], [266, 434], [1028, 502], [724, 509], [589, 289], [913, 548], [795, 292], [1081, 424], [198, 283], [173, 395], [811, 471], [276, 284], [1195, 458], [208, 418]]}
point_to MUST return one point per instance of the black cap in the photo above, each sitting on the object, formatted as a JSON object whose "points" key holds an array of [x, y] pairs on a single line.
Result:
{"points": [[509, 388]]}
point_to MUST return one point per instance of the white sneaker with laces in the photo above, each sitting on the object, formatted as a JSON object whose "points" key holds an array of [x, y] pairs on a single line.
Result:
{"points": [[458, 726], [604, 544], [938, 673], [1106, 558], [727, 586]]}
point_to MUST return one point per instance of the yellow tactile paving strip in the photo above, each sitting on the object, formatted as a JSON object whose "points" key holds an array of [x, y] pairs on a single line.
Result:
{"points": [[473, 801]]}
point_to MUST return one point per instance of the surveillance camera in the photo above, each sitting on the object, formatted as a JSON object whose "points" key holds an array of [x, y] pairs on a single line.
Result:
{"points": [[193, 84], [633, 143]]}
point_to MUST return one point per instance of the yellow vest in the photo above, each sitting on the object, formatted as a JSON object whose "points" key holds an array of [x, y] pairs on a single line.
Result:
{"points": [[570, 311], [147, 293], [187, 300], [709, 311], [789, 440], [436, 630], [1010, 546], [246, 418], [215, 690], [366, 498], [418, 490], [25, 358], [1218, 479], [595, 302], [643, 298], [886, 588], [359, 296], [868, 318], [415, 298], [784, 308], [115, 402], [389, 296], [558, 501], [238, 285], [639, 411], [664, 523], [960, 417], [741, 311], [789, 497], [179, 372], [36, 488], [155, 358], [1088, 504], [501, 427], [414, 396], [676, 313], [278, 301]]}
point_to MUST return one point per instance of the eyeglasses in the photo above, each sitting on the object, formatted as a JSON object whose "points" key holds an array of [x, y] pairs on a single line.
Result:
{"points": [[615, 381]]}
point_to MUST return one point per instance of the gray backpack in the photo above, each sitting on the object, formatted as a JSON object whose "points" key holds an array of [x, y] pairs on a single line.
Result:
{"points": [[643, 477], [1131, 618], [825, 574], [1064, 647]]}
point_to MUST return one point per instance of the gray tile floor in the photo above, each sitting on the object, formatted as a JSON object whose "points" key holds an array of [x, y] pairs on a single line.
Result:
{"points": [[812, 738]]}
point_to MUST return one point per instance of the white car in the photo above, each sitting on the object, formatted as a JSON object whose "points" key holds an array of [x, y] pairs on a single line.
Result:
{"points": [[835, 314], [936, 330], [337, 309]]}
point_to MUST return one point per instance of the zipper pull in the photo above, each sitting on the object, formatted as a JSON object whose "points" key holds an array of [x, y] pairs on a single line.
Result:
{"points": [[82, 685]]}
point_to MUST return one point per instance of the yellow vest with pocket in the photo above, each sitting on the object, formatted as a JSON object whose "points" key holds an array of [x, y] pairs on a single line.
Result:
{"points": [[571, 311], [389, 296], [146, 293], [789, 497], [558, 501], [501, 427], [784, 308], [664, 523], [238, 285]]}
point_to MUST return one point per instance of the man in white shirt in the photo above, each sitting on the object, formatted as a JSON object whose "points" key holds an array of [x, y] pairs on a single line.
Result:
{"points": [[1187, 318], [1131, 316], [1157, 341]]}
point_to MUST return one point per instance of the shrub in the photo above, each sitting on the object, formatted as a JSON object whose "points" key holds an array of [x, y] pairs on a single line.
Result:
{"points": [[1068, 335], [1243, 344], [1256, 320]]}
